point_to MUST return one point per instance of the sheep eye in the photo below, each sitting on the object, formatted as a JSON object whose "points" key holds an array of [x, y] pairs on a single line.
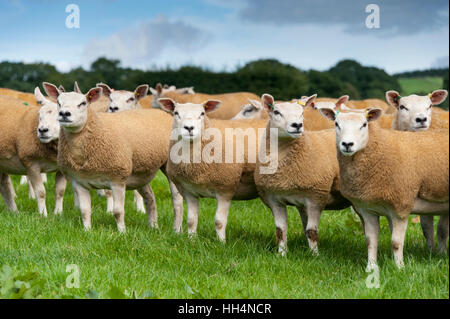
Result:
{"points": [[364, 125], [176, 113], [131, 99], [203, 113], [402, 107], [82, 104], [336, 125], [276, 112]]}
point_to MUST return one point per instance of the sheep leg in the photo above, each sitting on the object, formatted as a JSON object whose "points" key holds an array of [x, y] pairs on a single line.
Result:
{"points": [[280, 218], [34, 177], [23, 180], [442, 234], [371, 225], [11, 187], [192, 213], [31, 193], [109, 201], [177, 203], [84, 203], [60, 188], [312, 227], [223, 207], [399, 226], [426, 221], [139, 201], [5, 190], [150, 205], [303, 217], [118, 193]]}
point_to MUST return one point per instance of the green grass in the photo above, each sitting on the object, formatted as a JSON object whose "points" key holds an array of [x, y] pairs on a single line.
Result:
{"points": [[174, 266], [420, 85]]}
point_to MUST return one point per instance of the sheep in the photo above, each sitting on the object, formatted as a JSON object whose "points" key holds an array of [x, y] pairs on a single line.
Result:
{"points": [[29, 142], [391, 173], [252, 110], [121, 100], [307, 175], [107, 151], [416, 113], [222, 178], [231, 102]]}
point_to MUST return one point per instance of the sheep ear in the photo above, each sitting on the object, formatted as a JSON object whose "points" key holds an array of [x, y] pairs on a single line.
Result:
{"points": [[159, 88], [211, 105], [268, 102], [166, 86], [106, 89], [76, 88], [310, 101], [438, 96], [341, 100], [392, 97], [93, 94], [256, 104], [153, 91], [39, 96], [373, 114], [141, 91], [51, 90], [167, 104], [328, 113], [61, 88]]}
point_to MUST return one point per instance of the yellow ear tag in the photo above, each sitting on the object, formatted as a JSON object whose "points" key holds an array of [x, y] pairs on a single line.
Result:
{"points": [[136, 93], [301, 103], [90, 96], [367, 115], [430, 95]]}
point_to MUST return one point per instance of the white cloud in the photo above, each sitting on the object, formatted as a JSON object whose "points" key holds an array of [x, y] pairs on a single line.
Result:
{"points": [[144, 44]]}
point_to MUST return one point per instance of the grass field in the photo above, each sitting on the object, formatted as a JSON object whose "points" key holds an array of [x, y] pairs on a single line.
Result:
{"points": [[419, 85], [160, 264]]}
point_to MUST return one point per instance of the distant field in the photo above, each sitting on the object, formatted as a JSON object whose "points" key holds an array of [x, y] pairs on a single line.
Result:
{"points": [[420, 85], [35, 251]]}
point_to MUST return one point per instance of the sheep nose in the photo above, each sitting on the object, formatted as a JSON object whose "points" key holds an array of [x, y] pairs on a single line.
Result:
{"points": [[297, 125], [347, 145], [189, 128], [421, 120], [43, 130], [64, 114]]}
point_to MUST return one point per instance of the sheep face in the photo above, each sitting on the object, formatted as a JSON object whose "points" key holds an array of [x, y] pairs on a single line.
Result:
{"points": [[287, 117], [414, 111], [188, 118], [72, 106], [352, 128], [123, 100], [253, 110], [48, 127]]}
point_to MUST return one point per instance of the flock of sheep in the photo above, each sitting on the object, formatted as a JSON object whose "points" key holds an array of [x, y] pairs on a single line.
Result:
{"points": [[381, 159]]}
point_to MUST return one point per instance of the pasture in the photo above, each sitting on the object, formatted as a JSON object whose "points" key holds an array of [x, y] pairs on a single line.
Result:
{"points": [[161, 264]]}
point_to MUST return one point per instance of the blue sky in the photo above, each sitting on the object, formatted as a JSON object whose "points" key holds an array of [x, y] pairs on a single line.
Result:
{"points": [[222, 35]]}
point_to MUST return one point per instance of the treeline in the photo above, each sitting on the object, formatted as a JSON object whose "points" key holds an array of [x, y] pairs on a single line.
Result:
{"points": [[423, 73], [284, 81]]}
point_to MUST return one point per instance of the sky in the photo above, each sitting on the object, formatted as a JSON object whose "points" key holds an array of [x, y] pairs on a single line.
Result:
{"points": [[223, 35]]}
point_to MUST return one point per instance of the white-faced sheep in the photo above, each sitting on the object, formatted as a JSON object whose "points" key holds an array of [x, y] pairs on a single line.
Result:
{"points": [[416, 113], [231, 102], [307, 176], [391, 173], [29, 142], [107, 151], [224, 174]]}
